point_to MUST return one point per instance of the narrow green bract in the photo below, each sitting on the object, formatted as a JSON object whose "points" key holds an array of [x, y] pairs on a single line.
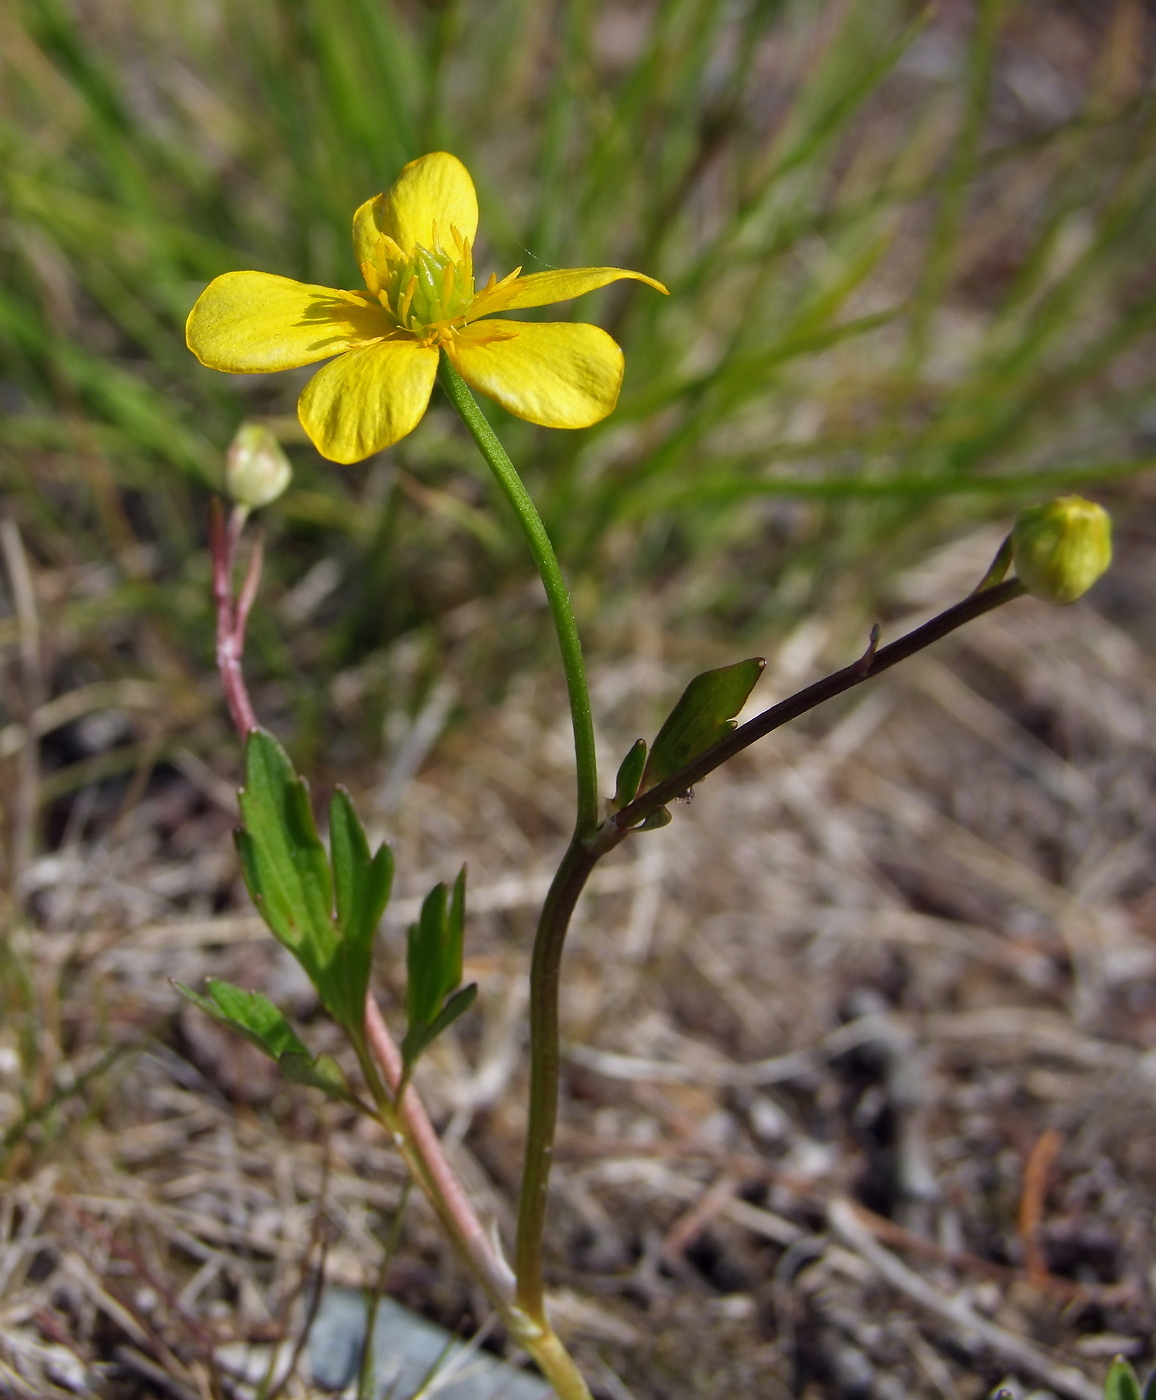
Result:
{"points": [[630, 774], [362, 884]]}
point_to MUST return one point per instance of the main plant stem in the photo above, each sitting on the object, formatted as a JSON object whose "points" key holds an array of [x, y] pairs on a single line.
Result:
{"points": [[593, 839], [545, 1068]]}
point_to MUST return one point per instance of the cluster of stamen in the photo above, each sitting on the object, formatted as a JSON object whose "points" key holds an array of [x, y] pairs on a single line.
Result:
{"points": [[429, 293]]}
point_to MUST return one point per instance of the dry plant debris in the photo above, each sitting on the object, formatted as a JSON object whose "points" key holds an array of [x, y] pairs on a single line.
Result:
{"points": [[862, 1048]]}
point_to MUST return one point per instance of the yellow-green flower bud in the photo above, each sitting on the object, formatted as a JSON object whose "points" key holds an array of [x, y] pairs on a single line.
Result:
{"points": [[256, 469], [1061, 549]]}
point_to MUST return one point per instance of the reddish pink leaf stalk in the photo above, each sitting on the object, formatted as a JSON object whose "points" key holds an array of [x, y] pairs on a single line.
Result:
{"points": [[491, 1269], [232, 616]]}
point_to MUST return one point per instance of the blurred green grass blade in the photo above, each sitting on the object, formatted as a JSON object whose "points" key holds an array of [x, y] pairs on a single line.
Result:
{"points": [[563, 113], [849, 71], [797, 173], [718, 488], [961, 168], [114, 394]]}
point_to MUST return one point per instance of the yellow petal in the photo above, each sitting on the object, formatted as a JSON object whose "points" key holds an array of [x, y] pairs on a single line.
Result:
{"points": [[367, 229], [542, 288], [435, 189], [368, 399], [246, 322], [561, 374]]}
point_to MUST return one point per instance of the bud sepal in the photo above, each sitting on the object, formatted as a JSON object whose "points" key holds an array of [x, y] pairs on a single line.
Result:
{"points": [[257, 470], [1060, 549]]}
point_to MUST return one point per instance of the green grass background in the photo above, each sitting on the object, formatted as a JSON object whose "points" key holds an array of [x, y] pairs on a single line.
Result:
{"points": [[909, 252]]}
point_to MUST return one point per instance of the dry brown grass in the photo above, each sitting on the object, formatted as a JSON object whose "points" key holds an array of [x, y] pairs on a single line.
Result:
{"points": [[901, 955]]}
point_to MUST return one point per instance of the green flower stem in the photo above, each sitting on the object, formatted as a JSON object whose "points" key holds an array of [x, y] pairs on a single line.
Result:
{"points": [[458, 393], [568, 882]]}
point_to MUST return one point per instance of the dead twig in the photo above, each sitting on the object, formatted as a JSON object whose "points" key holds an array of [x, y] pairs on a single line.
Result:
{"points": [[906, 1240], [687, 1228], [1031, 1211], [845, 1220]]}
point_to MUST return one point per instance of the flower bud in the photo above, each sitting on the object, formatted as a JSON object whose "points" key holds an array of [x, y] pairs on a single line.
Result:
{"points": [[1061, 549], [256, 469]]}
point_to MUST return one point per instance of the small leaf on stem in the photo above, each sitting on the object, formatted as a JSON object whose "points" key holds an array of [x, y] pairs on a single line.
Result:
{"points": [[420, 1035], [1121, 1382], [249, 1014], [293, 885], [704, 715], [423, 993], [282, 856], [454, 950]]}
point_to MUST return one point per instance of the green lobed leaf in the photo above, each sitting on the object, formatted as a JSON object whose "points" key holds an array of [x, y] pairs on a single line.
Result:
{"points": [[257, 1020], [283, 859], [434, 965], [704, 715], [362, 886], [1121, 1382], [249, 1014], [630, 774]]}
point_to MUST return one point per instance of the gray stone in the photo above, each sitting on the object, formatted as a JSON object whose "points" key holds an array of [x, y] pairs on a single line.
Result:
{"points": [[405, 1348]]}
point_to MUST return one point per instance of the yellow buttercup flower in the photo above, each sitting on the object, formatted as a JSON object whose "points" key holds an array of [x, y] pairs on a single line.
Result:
{"points": [[414, 246]]}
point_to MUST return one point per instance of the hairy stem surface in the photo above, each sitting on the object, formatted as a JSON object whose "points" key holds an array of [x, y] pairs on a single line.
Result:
{"points": [[232, 616]]}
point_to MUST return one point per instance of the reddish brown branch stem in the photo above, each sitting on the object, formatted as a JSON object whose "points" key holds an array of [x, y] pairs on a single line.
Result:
{"points": [[875, 660], [447, 1193]]}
